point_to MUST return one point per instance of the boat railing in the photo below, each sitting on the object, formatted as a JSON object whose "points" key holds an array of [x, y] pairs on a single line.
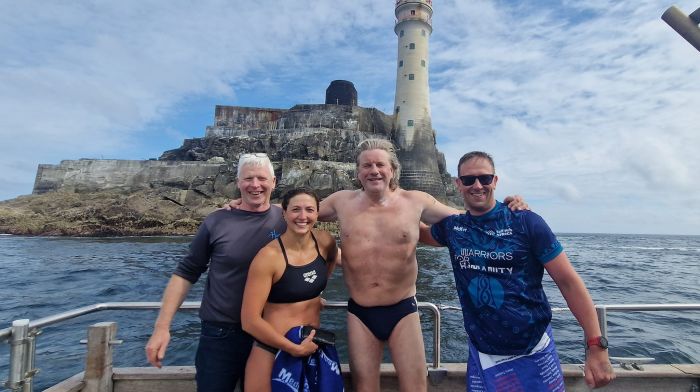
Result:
{"points": [[23, 333]]}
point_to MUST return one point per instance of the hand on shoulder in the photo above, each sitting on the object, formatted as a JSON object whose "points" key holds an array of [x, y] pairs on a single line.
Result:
{"points": [[516, 203]]}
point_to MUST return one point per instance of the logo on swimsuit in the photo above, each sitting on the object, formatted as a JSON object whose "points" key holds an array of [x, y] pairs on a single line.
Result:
{"points": [[310, 276]]}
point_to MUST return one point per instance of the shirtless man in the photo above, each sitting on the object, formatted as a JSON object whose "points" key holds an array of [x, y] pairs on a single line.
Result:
{"points": [[379, 232]]}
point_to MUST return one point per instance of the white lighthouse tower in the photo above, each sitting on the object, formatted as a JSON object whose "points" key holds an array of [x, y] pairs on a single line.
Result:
{"points": [[412, 101], [414, 135]]}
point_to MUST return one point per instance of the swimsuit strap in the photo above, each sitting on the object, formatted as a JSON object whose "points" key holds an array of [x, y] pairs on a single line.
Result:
{"points": [[284, 252], [315, 243]]}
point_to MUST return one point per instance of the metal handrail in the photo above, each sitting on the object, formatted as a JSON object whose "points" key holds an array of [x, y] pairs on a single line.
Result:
{"points": [[602, 311], [23, 332], [6, 333]]}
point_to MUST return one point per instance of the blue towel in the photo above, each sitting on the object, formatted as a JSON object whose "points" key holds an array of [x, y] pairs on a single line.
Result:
{"points": [[319, 372]]}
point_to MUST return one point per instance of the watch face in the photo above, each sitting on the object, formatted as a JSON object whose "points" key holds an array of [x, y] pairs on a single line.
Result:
{"points": [[600, 341]]}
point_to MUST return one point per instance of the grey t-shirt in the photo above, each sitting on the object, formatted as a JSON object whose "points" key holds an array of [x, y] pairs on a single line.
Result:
{"points": [[226, 243]]}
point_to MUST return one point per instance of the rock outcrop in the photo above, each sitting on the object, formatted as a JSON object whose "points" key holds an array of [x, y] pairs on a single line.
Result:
{"points": [[310, 145], [113, 212]]}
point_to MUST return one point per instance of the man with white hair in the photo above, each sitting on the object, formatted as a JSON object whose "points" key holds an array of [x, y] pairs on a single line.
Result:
{"points": [[225, 244]]}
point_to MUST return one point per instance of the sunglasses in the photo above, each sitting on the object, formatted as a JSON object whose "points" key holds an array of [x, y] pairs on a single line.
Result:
{"points": [[484, 179], [254, 154]]}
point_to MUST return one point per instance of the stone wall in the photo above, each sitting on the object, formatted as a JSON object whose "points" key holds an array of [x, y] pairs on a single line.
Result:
{"points": [[198, 179], [233, 121], [90, 175], [239, 117]]}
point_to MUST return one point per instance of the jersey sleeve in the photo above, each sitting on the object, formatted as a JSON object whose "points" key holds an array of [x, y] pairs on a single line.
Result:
{"points": [[192, 266], [543, 242], [439, 231]]}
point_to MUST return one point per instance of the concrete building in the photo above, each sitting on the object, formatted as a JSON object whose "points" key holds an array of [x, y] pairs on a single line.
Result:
{"points": [[414, 135]]}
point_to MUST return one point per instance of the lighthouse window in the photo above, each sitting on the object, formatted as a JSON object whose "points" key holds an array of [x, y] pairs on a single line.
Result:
{"points": [[413, 12], [410, 77], [400, 63], [422, 32], [422, 63], [410, 123], [401, 33], [411, 45]]}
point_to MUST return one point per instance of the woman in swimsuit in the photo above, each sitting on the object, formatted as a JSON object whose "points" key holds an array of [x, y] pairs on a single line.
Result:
{"points": [[284, 285]]}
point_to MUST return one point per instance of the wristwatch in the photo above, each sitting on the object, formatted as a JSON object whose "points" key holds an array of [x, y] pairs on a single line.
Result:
{"points": [[599, 341]]}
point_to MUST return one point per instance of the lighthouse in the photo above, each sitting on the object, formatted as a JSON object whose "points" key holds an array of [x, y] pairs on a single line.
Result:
{"points": [[413, 131]]}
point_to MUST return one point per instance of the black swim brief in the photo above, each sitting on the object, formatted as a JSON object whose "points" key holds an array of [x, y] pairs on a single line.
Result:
{"points": [[266, 347], [381, 320]]}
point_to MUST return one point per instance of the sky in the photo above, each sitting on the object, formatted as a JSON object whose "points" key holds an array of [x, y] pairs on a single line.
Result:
{"points": [[589, 108]]}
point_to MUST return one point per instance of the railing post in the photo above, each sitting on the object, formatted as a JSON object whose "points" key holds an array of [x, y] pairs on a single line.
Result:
{"points": [[98, 365], [602, 320], [437, 337], [435, 373], [18, 353], [29, 360]]}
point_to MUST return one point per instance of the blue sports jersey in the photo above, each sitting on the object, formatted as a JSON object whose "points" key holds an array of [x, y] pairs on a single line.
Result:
{"points": [[498, 261]]}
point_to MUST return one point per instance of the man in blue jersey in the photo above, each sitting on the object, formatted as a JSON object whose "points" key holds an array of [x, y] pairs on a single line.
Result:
{"points": [[498, 259], [225, 245]]}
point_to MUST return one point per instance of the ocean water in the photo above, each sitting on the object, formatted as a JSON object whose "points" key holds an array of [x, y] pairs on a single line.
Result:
{"points": [[45, 276]]}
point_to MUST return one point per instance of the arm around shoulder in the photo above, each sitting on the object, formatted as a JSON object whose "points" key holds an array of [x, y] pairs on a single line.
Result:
{"points": [[426, 236], [327, 208], [433, 210]]}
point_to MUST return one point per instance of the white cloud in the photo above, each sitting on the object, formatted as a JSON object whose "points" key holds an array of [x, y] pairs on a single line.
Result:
{"points": [[589, 108], [588, 104], [86, 79]]}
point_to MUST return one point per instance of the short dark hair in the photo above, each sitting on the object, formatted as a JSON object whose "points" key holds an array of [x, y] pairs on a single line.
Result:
{"points": [[473, 155], [298, 191]]}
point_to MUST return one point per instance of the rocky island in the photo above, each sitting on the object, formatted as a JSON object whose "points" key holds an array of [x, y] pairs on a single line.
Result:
{"points": [[310, 145]]}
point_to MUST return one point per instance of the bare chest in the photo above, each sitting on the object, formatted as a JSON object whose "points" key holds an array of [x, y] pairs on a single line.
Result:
{"points": [[379, 225]]}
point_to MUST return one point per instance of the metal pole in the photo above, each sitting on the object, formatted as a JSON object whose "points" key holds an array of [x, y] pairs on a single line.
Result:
{"points": [[30, 360], [602, 320], [686, 26], [18, 352]]}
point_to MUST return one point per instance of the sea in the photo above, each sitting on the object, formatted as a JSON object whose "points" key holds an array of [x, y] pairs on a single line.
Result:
{"points": [[43, 276]]}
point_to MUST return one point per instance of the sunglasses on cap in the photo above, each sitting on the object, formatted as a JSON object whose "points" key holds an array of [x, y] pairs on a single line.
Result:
{"points": [[484, 179]]}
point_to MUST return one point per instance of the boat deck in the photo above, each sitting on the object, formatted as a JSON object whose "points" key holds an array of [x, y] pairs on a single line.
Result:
{"points": [[653, 378]]}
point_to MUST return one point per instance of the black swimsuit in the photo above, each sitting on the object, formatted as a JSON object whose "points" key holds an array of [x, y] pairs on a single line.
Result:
{"points": [[381, 320], [300, 283]]}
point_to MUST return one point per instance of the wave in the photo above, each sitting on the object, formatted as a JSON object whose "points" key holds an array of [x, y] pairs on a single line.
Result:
{"points": [[680, 249]]}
